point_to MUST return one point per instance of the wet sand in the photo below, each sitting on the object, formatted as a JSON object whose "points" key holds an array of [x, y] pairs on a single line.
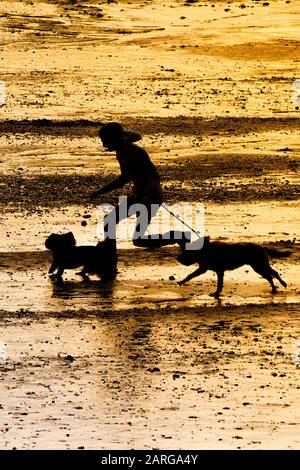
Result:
{"points": [[142, 362], [167, 379]]}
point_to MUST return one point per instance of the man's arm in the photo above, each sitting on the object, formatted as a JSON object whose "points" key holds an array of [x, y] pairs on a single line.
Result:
{"points": [[115, 184]]}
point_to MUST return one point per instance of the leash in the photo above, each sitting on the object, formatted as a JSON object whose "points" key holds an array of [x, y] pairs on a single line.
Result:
{"points": [[180, 220]]}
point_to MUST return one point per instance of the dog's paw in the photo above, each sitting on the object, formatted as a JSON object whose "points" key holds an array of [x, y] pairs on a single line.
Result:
{"points": [[57, 280], [216, 295]]}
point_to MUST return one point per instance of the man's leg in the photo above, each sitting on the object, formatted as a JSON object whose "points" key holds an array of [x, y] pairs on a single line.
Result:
{"points": [[155, 241], [144, 217], [145, 213]]}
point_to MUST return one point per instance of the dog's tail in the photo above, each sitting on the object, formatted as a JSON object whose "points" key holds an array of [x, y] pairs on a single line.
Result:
{"points": [[277, 254]]}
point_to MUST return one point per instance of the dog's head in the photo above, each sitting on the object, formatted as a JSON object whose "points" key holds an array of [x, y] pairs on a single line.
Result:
{"points": [[57, 242], [190, 256]]}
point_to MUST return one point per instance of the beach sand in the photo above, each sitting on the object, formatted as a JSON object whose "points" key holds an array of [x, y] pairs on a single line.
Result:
{"points": [[142, 363]]}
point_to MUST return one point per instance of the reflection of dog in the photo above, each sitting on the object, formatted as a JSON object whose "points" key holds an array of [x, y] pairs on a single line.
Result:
{"points": [[100, 259], [220, 257]]}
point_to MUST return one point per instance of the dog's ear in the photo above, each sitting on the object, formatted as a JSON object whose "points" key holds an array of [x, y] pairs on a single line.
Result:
{"points": [[206, 240], [70, 239], [182, 244]]}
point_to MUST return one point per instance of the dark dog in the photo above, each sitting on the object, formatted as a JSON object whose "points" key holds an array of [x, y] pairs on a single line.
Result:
{"points": [[220, 257], [100, 259]]}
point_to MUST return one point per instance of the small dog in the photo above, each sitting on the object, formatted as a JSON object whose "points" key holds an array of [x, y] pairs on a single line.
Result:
{"points": [[100, 259], [220, 257]]}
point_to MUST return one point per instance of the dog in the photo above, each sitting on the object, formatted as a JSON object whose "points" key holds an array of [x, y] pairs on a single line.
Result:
{"points": [[220, 257], [100, 259]]}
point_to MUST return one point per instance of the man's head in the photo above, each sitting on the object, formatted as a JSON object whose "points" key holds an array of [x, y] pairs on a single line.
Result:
{"points": [[111, 135]]}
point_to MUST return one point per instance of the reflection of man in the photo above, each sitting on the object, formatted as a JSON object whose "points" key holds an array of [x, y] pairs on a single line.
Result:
{"points": [[137, 167]]}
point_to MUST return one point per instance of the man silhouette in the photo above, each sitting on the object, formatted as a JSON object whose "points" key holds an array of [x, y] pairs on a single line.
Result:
{"points": [[135, 166]]}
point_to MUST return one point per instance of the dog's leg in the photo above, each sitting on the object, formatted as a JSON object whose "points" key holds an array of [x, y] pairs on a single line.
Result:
{"points": [[265, 272], [53, 267], [276, 275], [58, 276], [216, 294], [83, 274], [269, 278], [192, 275]]}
